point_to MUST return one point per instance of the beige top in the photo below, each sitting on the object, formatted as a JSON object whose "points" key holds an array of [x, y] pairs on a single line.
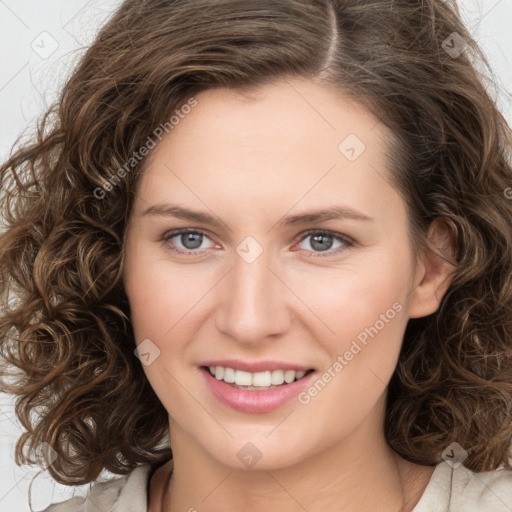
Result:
{"points": [[449, 490]]}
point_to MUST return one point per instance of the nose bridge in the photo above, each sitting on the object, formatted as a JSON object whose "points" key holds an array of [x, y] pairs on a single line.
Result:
{"points": [[252, 306]]}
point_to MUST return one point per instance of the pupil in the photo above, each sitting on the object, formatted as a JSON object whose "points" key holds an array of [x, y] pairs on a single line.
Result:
{"points": [[191, 240], [323, 240]]}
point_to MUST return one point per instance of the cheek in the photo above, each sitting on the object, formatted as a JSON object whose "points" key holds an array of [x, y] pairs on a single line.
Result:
{"points": [[145, 283], [163, 297], [161, 303], [364, 308], [145, 294], [367, 313]]}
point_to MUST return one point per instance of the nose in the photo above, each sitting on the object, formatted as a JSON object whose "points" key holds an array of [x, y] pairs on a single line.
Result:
{"points": [[252, 304]]}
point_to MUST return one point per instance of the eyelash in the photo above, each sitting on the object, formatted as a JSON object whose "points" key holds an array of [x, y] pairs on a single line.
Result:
{"points": [[347, 241]]}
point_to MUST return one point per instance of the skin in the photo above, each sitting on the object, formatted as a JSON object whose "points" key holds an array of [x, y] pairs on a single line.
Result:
{"points": [[250, 161]]}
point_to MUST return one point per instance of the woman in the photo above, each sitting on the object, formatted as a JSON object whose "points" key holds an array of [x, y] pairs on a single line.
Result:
{"points": [[276, 238]]}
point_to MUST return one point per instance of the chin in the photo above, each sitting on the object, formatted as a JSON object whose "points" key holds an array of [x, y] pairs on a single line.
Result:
{"points": [[260, 452]]}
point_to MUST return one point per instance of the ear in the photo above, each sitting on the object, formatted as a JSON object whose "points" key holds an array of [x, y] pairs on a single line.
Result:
{"points": [[434, 274]]}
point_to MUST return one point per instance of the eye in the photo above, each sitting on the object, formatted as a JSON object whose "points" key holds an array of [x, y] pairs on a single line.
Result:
{"points": [[324, 241], [185, 241], [188, 242]]}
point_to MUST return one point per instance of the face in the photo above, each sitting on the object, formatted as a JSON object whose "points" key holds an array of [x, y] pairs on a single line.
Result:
{"points": [[258, 280]]}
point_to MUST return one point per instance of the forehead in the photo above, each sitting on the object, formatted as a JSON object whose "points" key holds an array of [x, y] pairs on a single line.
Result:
{"points": [[286, 113], [291, 142]]}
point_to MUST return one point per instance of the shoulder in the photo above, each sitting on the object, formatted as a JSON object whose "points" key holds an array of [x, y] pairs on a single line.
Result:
{"points": [[455, 489], [489, 490], [127, 494]]}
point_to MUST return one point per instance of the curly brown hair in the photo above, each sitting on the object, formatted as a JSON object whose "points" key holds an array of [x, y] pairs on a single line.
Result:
{"points": [[65, 332]]}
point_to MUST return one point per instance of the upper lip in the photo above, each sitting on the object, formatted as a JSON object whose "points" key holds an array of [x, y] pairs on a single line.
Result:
{"points": [[256, 366]]}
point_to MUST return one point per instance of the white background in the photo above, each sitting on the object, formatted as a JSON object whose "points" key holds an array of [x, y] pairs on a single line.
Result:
{"points": [[29, 81]]}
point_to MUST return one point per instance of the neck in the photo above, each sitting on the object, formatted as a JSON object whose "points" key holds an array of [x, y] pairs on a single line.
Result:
{"points": [[359, 474]]}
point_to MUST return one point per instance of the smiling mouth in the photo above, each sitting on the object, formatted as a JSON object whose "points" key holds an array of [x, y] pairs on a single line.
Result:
{"points": [[258, 381]]}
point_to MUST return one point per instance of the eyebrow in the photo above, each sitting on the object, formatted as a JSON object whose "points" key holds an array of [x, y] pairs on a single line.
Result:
{"points": [[334, 212]]}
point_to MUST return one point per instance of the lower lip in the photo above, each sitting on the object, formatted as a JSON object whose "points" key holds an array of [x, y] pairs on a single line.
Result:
{"points": [[254, 401]]}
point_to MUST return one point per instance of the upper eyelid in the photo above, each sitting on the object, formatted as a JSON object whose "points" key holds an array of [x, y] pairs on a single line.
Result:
{"points": [[177, 232], [334, 234], [347, 240]]}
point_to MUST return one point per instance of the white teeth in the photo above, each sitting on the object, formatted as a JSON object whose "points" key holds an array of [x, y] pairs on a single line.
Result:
{"points": [[261, 379], [277, 377], [242, 378], [229, 375], [258, 380], [289, 376]]}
